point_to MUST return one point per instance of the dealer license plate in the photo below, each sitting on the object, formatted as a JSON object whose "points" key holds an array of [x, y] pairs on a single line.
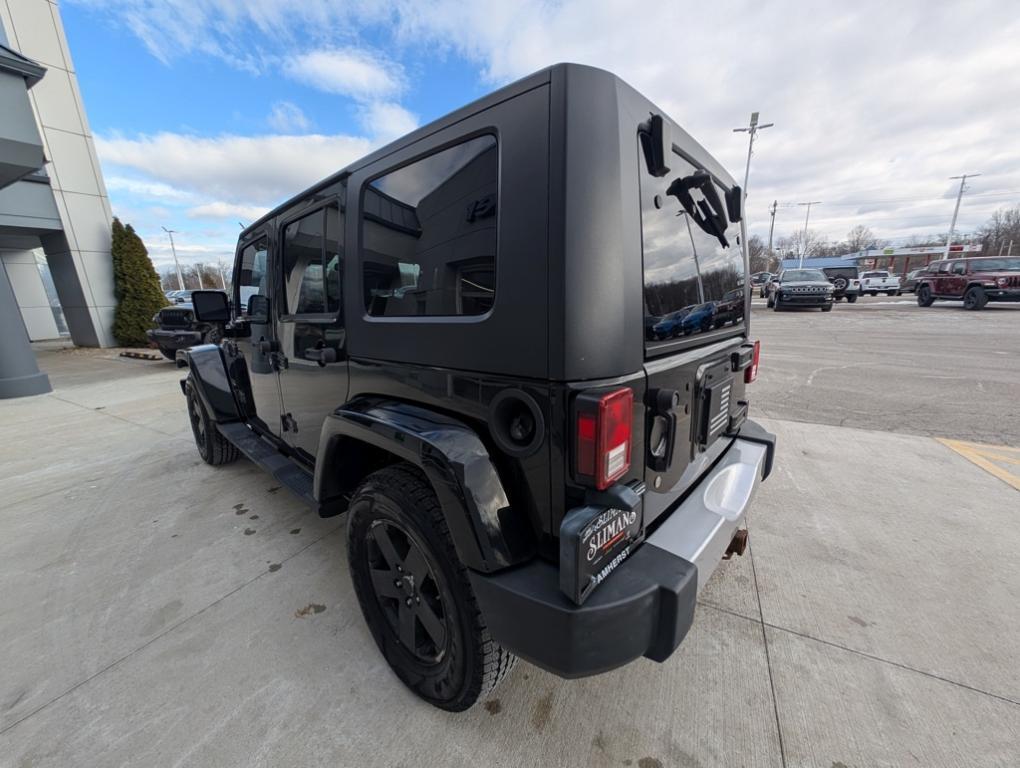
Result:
{"points": [[593, 543]]}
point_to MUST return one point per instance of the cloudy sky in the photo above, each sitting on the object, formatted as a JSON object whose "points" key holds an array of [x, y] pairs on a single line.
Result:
{"points": [[209, 112]]}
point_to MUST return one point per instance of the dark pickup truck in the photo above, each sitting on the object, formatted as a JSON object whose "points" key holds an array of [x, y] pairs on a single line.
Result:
{"points": [[449, 342]]}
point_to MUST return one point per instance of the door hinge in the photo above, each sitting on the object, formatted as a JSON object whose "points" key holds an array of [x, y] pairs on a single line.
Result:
{"points": [[288, 424]]}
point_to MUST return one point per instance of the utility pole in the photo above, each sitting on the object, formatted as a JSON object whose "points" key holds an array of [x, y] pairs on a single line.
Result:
{"points": [[803, 244], [223, 280], [772, 226], [173, 250], [956, 210], [751, 129]]}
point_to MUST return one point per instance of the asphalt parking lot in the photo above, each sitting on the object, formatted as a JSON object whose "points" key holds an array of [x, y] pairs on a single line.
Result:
{"points": [[157, 611]]}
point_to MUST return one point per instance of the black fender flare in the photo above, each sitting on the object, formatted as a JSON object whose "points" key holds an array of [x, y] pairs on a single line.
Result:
{"points": [[486, 533], [209, 370]]}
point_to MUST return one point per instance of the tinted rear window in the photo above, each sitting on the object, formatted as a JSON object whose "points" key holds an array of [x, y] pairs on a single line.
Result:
{"points": [[687, 271]]}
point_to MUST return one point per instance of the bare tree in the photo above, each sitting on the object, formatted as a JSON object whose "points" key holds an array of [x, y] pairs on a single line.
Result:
{"points": [[860, 238], [811, 245], [999, 231]]}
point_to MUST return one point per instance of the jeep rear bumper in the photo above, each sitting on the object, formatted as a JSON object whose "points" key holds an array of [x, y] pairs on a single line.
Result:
{"points": [[646, 607]]}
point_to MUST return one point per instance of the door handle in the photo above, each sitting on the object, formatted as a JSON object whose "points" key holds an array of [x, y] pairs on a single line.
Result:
{"points": [[322, 356]]}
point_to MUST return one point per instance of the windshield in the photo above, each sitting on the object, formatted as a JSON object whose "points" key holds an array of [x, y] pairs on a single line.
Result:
{"points": [[996, 265], [800, 275], [693, 254]]}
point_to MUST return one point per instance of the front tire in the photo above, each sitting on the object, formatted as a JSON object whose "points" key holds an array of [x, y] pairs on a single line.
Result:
{"points": [[169, 354], [827, 308], [924, 297], [213, 447], [851, 298], [415, 593], [775, 305], [975, 298]]}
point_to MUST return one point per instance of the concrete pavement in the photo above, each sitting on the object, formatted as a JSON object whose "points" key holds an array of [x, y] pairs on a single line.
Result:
{"points": [[157, 611]]}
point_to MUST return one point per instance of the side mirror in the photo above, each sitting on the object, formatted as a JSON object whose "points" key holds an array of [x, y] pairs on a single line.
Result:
{"points": [[211, 306], [258, 309]]}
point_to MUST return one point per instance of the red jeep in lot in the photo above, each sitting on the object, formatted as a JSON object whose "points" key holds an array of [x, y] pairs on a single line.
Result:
{"points": [[976, 281]]}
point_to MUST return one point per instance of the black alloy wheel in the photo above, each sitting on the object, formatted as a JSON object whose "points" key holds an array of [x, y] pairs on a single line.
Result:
{"points": [[415, 593], [924, 297], [407, 590], [213, 447], [975, 298]]}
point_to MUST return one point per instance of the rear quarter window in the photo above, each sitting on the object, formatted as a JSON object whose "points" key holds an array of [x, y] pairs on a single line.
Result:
{"points": [[429, 234]]}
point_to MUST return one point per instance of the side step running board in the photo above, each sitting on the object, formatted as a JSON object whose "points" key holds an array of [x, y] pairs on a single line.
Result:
{"points": [[285, 470]]}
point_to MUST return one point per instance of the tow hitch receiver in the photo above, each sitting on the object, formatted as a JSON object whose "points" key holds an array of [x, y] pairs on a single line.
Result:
{"points": [[737, 545]]}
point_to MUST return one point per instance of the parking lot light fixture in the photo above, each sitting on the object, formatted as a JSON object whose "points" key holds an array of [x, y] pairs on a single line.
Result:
{"points": [[803, 242], [752, 128], [173, 250], [956, 210]]}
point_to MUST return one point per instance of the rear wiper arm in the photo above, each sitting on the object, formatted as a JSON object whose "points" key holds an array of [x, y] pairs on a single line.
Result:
{"points": [[708, 213]]}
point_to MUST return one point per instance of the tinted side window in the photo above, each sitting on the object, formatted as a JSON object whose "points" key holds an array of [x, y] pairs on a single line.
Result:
{"points": [[959, 267], [429, 234], [312, 257], [252, 276]]}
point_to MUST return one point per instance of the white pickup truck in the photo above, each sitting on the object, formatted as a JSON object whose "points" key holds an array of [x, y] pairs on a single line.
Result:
{"points": [[874, 283]]}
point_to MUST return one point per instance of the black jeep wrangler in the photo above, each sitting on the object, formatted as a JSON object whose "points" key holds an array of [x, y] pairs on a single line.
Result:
{"points": [[446, 341], [177, 328]]}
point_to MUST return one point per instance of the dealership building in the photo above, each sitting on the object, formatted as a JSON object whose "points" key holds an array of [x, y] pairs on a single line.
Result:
{"points": [[56, 278]]}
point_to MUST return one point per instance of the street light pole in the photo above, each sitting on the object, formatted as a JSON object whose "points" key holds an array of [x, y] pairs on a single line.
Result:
{"points": [[173, 250], [752, 128], [803, 242], [772, 225], [956, 210], [223, 280]]}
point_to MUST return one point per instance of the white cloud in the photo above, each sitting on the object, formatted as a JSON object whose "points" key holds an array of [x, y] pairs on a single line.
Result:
{"points": [[220, 210], [250, 170], [144, 189], [873, 101], [386, 121], [287, 117], [347, 72]]}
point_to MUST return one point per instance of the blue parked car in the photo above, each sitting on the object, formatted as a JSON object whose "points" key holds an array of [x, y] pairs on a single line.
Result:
{"points": [[669, 325], [700, 318]]}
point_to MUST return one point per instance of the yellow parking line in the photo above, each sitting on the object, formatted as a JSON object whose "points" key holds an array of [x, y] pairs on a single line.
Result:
{"points": [[984, 455]]}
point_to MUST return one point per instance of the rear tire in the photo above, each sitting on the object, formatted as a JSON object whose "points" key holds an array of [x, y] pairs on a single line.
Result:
{"points": [[415, 593], [924, 297], [213, 447], [827, 308], [975, 298], [851, 298]]}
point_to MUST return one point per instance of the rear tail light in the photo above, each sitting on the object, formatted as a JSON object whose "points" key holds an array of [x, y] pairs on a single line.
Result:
{"points": [[751, 371], [603, 436]]}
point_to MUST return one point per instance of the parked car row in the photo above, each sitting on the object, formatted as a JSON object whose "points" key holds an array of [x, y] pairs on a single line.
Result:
{"points": [[178, 297], [975, 281], [697, 318]]}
